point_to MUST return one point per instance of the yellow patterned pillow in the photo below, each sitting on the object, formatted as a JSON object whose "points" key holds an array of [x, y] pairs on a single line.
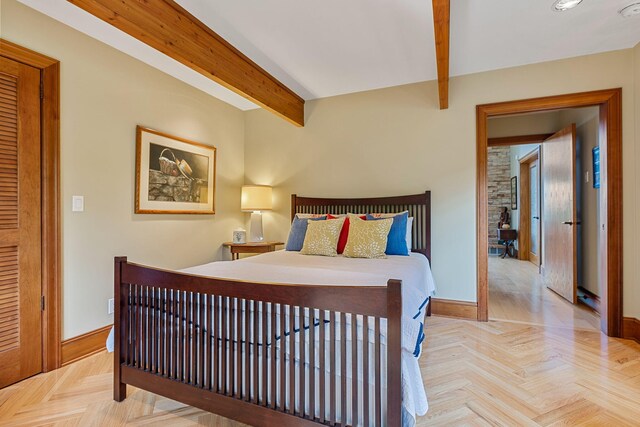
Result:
{"points": [[367, 239], [322, 237]]}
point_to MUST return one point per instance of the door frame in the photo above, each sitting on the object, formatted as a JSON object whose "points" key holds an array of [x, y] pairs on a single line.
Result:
{"points": [[50, 181], [610, 250], [524, 232]]}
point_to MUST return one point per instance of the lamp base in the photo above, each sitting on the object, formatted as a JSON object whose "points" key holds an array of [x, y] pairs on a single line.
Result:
{"points": [[255, 233]]}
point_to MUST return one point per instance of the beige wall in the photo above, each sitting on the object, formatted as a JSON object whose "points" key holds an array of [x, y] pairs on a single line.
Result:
{"points": [[396, 141], [105, 94], [525, 124]]}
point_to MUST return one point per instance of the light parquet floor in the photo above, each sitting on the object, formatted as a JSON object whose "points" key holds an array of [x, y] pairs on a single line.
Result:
{"points": [[495, 373], [517, 293]]}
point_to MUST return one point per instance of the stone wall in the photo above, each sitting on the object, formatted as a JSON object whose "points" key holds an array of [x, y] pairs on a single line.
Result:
{"points": [[499, 174], [167, 188]]}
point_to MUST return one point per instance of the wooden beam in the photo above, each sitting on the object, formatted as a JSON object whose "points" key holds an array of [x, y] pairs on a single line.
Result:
{"points": [[441, 25], [167, 27], [518, 139]]}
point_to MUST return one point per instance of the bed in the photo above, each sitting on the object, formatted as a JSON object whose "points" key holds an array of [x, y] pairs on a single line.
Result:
{"points": [[320, 344]]}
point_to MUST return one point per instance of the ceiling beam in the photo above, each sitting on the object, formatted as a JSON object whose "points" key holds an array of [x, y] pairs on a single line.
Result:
{"points": [[167, 27], [441, 25]]}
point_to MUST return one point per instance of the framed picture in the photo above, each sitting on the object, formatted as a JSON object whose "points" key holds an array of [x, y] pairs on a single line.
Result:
{"points": [[596, 166], [173, 175], [514, 193]]}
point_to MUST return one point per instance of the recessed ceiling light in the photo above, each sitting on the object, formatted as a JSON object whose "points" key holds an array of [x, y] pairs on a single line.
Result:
{"points": [[631, 10], [562, 5]]}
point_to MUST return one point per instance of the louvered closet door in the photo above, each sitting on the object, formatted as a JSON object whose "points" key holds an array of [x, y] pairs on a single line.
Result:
{"points": [[20, 246]]}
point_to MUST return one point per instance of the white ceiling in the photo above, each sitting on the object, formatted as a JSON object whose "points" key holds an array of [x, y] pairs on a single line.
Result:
{"points": [[332, 47], [82, 21]]}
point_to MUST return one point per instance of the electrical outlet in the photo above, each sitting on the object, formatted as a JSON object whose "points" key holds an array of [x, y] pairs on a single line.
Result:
{"points": [[110, 306]]}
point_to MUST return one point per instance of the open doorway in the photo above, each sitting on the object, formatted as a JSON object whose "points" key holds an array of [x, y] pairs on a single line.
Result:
{"points": [[608, 103], [547, 198]]}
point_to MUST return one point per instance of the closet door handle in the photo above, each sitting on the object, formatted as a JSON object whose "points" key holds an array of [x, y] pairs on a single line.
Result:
{"points": [[572, 223], [536, 217]]}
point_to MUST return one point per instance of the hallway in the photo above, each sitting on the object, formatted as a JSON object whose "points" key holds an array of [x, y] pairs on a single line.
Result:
{"points": [[517, 294]]}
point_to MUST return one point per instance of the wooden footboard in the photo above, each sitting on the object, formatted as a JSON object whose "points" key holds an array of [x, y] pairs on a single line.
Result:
{"points": [[261, 354]]}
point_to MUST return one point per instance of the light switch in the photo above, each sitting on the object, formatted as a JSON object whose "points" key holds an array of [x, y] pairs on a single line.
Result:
{"points": [[77, 204], [586, 177]]}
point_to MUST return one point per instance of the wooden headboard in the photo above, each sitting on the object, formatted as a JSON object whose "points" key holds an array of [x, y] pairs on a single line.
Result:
{"points": [[418, 205]]}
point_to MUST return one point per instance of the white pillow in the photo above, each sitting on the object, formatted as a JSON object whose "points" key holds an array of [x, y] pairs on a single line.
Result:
{"points": [[409, 236]]}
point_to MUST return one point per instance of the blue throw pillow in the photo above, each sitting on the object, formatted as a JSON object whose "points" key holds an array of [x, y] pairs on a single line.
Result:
{"points": [[397, 238], [298, 232]]}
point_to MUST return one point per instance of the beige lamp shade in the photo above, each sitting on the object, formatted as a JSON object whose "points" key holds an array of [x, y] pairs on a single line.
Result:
{"points": [[256, 198]]}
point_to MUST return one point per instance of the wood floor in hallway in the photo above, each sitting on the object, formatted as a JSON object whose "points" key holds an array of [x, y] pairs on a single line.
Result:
{"points": [[495, 373], [517, 294]]}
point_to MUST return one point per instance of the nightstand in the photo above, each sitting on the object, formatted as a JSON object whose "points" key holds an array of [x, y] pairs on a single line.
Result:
{"points": [[508, 236], [250, 248]]}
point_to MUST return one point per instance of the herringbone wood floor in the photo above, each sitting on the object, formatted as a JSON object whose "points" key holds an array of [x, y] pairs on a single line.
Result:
{"points": [[495, 373], [517, 293]]}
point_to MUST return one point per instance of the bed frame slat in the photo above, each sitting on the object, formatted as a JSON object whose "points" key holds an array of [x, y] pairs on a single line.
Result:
{"points": [[343, 369], [378, 387], [145, 328], [281, 354], [312, 363], [292, 365], [321, 372], [217, 318], [302, 349], [174, 334], [192, 373], [263, 345], [255, 314], [232, 347], [365, 370], [225, 346], [333, 330], [354, 369], [272, 354], [211, 347], [247, 351]]}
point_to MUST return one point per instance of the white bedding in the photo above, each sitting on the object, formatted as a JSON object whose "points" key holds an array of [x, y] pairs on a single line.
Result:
{"points": [[294, 268]]}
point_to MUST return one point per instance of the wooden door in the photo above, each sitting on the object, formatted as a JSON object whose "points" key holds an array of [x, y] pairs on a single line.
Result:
{"points": [[559, 213], [20, 225], [534, 200]]}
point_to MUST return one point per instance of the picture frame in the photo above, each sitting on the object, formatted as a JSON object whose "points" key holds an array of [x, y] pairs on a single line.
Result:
{"points": [[514, 193], [173, 175], [596, 166]]}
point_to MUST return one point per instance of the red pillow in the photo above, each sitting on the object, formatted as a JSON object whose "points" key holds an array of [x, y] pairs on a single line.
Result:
{"points": [[344, 233]]}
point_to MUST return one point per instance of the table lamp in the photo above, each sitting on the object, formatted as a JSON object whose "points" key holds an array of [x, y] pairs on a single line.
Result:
{"points": [[256, 198]]}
